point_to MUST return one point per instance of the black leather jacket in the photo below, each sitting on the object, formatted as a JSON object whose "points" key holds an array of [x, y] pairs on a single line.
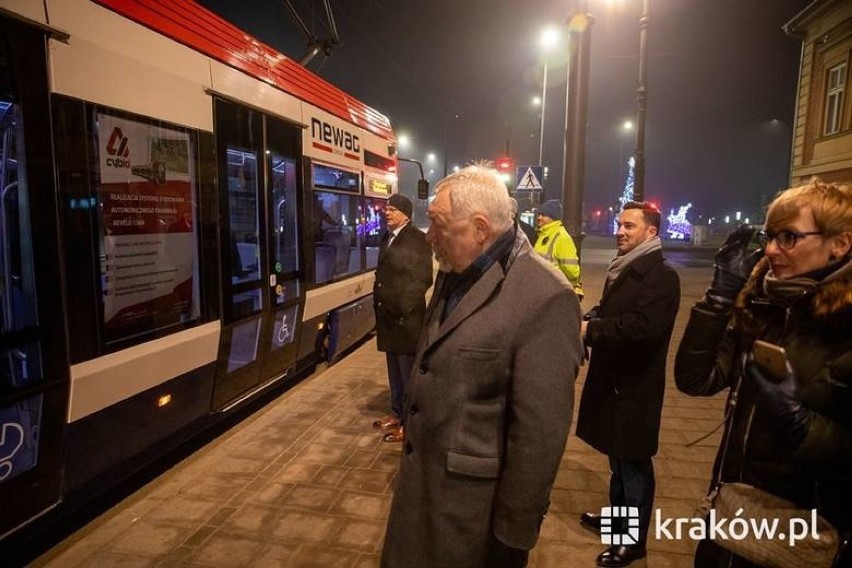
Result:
{"points": [[816, 332]]}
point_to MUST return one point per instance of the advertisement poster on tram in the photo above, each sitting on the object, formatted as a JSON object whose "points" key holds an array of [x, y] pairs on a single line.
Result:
{"points": [[146, 214]]}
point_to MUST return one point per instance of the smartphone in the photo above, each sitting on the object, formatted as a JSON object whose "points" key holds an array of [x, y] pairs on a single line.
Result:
{"points": [[771, 358]]}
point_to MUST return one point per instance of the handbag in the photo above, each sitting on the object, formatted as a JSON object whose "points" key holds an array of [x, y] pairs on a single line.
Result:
{"points": [[758, 508]]}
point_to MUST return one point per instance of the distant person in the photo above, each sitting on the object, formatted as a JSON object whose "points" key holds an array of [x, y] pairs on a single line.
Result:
{"points": [[555, 244], [791, 434], [489, 404], [528, 229], [628, 333], [403, 274]]}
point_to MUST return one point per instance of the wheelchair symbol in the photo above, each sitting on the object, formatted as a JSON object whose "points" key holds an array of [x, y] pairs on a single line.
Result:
{"points": [[284, 331], [7, 452]]}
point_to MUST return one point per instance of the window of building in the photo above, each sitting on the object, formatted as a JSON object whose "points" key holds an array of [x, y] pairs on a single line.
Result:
{"points": [[835, 89]]}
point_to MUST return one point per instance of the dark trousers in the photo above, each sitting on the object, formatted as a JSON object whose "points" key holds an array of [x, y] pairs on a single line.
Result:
{"points": [[399, 369], [632, 485]]}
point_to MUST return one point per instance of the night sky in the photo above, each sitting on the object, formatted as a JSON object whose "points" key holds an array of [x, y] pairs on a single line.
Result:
{"points": [[721, 78]]}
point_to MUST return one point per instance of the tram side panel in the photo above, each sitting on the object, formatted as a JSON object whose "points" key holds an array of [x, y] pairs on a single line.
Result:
{"points": [[142, 312], [135, 166]]}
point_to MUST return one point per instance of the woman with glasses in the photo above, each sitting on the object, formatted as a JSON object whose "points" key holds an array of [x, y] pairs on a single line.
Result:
{"points": [[788, 426]]}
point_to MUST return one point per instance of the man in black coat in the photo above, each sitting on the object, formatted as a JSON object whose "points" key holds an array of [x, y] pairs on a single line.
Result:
{"points": [[403, 275], [629, 334]]}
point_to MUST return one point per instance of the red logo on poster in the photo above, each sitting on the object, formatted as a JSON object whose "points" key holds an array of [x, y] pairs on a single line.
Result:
{"points": [[117, 138]]}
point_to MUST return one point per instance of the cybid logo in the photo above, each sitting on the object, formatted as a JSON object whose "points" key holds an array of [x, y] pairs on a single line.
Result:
{"points": [[117, 147], [620, 525]]}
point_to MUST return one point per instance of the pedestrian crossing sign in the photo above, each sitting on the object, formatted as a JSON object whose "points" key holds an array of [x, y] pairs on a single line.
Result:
{"points": [[529, 178]]}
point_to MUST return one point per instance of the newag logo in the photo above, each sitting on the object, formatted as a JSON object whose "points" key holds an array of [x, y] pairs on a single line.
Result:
{"points": [[117, 148], [335, 136]]}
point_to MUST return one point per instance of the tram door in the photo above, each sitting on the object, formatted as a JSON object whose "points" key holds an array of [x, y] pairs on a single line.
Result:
{"points": [[261, 267], [33, 357]]}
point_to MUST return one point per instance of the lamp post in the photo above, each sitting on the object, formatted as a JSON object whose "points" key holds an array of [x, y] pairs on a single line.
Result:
{"points": [[576, 112], [549, 39], [456, 117], [641, 104]]}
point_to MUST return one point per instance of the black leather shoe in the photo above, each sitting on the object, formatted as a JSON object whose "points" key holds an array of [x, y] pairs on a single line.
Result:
{"points": [[591, 522], [618, 556]]}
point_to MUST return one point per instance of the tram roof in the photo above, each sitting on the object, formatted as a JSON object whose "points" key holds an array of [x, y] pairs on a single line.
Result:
{"points": [[193, 25]]}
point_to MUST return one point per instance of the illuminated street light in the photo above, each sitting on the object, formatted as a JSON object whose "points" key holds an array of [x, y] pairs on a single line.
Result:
{"points": [[627, 126], [403, 141], [431, 156], [536, 101]]}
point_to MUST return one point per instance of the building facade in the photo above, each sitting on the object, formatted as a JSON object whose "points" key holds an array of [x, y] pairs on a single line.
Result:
{"points": [[822, 135]]}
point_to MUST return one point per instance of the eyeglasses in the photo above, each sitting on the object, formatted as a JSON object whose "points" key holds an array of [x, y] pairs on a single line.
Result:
{"points": [[786, 239]]}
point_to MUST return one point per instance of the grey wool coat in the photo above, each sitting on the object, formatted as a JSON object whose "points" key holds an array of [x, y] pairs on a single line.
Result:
{"points": [[487, 413], [629, 335]]}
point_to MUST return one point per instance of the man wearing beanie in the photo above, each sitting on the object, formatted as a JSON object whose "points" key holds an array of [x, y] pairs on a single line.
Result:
{"points": [[403, 275], [556, 245]]}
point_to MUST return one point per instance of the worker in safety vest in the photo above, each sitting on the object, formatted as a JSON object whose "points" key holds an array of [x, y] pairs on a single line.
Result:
{"points": [[556, 245]]}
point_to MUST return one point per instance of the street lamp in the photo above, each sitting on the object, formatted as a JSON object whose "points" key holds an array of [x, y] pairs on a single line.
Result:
{"points": [[456, 117], [549, 39], [641, 104], [576, 111]]}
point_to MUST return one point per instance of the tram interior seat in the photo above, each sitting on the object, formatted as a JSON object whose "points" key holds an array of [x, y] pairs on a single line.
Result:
{"points": [[248, 257], [340, 239], [324, 259]]}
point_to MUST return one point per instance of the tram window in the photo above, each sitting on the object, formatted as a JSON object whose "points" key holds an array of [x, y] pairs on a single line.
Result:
{"points": [[146, 204], [290, 290], [243, 207], [372, 227], [17, 281], [244, 341], [285, 258], [19, 366], [334, 178], [336, 236], [246, 303]]}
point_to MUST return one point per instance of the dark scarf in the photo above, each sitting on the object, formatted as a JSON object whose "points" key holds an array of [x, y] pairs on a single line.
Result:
{"points": [[457, 285], [787, 292]]}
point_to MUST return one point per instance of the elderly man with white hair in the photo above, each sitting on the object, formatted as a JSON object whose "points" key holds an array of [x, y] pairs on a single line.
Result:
{"points": [[489, 402]]}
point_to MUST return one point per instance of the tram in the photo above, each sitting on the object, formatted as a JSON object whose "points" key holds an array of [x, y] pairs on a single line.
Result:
{"points": [[188, 219]]}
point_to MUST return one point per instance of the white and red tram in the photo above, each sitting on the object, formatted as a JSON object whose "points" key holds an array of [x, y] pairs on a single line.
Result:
{"points": [[188, 218]]}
